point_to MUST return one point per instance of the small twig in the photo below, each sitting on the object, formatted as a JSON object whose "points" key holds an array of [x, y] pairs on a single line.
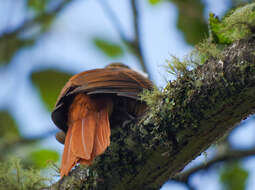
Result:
{"points": [[29, 23], [114, 20], [227, 156], [200, 128], [137, 44]]}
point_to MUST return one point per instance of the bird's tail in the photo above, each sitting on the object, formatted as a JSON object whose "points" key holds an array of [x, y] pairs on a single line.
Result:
{"points": [[88, 132]]}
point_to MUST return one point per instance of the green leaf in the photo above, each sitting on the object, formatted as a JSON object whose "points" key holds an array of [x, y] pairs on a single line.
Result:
{"points": [[49, 84], [235, 25], [216, 35], [191, 20], [154, 2], [37, 5], [46, 21], [109, 48], [8, 127], [9, 45], [42, 157], [234, 177], [13, 176]]}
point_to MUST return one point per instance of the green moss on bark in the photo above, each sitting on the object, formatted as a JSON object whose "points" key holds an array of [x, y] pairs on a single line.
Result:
{"points": [[183, 120]]}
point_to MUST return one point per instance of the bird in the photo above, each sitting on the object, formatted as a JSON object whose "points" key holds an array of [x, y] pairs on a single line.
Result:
{"points": [[89, 103]]}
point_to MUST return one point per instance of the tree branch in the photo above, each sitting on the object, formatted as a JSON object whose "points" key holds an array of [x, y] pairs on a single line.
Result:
{"points": [[114, 19], [230, 155], [190, 114], [135, 44], [31, 22]]}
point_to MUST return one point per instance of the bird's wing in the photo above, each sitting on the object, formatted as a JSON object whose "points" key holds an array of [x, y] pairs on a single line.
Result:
{"points": [[119, 81], [110, 80]]}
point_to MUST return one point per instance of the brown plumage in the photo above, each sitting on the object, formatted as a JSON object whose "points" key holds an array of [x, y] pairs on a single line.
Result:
{"points": [[85, 105]]}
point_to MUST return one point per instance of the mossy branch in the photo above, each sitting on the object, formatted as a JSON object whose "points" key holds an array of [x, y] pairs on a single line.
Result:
{"points": [[13, 176], [185, 118], [233, 155], [189, 115]]}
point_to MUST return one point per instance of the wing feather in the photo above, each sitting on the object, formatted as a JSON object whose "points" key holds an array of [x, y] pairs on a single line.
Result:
{"points": [[68, 158], [102, 140], [119, 81]]}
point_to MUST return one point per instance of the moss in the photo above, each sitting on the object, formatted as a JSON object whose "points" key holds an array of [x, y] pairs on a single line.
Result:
{"points": [[13, 176], [151, 97], [177, 67], [237, 24], [183, 119], [202, 52], [207, 49]]}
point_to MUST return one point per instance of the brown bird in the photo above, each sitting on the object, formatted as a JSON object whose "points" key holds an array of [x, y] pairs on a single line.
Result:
{"points": [[88, 103]]}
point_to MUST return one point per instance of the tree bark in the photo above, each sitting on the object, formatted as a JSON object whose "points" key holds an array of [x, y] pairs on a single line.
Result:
{"points": [[192, 113]]}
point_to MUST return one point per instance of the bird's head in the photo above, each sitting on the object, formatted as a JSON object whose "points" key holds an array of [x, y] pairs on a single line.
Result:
{"points": [[121, 65], [117, 65]]}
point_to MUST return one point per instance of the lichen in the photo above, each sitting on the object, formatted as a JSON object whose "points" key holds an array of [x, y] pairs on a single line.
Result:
{"points": [[214, 91], [13, 176], [237, 24]]}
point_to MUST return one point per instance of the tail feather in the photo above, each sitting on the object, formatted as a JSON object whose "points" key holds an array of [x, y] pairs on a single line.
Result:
{"points": [[88, 134], [102, 140], [68, 158], [84, 133]]}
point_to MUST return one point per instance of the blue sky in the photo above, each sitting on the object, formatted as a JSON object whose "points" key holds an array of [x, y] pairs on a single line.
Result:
{"points": [[67, 46]]}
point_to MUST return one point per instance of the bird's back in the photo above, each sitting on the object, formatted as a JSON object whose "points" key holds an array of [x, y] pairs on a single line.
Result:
{"points": [[118, 82]]}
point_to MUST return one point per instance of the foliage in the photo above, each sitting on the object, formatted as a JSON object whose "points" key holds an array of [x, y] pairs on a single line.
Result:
{"points": [[233, 177], [191, 20], [9, 45], [202, 52], [37, 5], [237, 24], [205, 50], [9, 133], [221, 33], [8, 127], [42, 157], [154, 2], [11, 138], [108, 47], [151, 97], [49, 83], [46, 21], [177, 67], [14, 177]]}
